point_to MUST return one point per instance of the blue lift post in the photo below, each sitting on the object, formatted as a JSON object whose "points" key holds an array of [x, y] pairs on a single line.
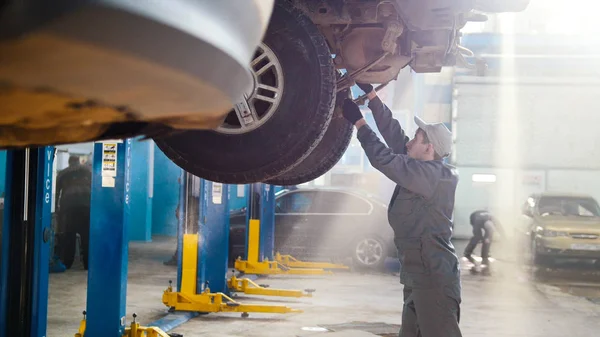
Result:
{"points": [[267, 222], [260, 240], [26, 242], [180, 224], [107, 271], [213, 242], [257, 261]]}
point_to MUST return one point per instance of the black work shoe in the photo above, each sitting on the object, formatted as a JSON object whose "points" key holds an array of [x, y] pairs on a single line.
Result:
{"points": [[471, 259]]}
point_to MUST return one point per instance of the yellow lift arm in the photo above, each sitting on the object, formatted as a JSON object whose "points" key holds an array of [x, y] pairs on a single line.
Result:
{"points": [[291, 262], [217, 302], [189, 300], [247, 286], [255, 267]]}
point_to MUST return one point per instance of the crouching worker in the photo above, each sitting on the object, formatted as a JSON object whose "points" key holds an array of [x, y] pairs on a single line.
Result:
{"points": [[484, 226]]}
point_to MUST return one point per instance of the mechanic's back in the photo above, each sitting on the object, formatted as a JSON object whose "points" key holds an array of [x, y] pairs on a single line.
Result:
{"points": [[73, 185]]}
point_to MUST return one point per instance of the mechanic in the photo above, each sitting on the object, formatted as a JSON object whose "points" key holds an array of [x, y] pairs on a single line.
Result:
{"points": [[73, 194], [420, 214], [484, 225]]}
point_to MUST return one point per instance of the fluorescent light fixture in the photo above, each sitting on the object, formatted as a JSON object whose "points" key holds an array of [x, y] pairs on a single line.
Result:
{"points": [[484, 178]]}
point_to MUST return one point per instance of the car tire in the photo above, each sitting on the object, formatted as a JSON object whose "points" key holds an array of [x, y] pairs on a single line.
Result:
{"points": [[304, 110], [373, 258], [328, 152], [536, 258]]}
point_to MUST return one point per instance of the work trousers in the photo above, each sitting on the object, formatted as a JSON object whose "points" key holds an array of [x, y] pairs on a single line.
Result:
{"points": [[483, 235], [431, 312], [72, 220]]}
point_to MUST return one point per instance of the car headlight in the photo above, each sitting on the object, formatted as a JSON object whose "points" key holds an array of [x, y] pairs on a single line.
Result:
{"points": [[551, 233]]}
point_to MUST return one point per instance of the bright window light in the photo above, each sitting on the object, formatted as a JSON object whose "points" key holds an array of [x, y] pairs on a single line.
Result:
{"points": [[484, 178]]}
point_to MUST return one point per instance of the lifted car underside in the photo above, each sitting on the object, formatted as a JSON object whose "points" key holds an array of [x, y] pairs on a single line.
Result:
{"points": [[101, 69]]}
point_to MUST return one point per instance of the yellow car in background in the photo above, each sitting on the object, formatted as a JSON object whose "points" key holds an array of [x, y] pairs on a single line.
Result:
{"points": [[560, 225]]}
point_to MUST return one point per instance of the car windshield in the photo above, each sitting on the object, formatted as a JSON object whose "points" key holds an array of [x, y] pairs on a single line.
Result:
{"points": [[568, 206]]}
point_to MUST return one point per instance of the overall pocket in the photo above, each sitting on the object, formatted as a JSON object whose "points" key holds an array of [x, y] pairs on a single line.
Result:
{"points": [[412, 258]]}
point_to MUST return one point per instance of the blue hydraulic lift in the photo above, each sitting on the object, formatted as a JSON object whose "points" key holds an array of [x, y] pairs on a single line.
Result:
{"points": [[260, 237], [27, 234], [25, 245], [202, 285], [108, 247]]}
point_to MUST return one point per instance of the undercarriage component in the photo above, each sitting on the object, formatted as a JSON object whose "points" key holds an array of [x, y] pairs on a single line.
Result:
{"points": [[37, 117], [372, 55], [361, 100]]}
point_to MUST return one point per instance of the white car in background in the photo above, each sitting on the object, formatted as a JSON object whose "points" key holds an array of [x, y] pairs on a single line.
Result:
{"points": [[233, 91]]}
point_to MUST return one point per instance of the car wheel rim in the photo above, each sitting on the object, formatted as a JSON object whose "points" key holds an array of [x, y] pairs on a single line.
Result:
{"points": [[260, 103], [369, 251]]}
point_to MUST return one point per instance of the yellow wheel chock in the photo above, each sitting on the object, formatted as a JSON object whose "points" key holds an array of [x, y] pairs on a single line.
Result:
{"points": [[291, 262], [247, 286]]}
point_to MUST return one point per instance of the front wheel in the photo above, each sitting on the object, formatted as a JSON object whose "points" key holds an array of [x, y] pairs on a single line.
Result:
{"points": [[279, 121], [536, 258], [369, 253]]}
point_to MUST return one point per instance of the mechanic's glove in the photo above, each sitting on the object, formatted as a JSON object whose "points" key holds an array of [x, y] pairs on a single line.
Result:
{"points": [[351, 111], [367, 88]]}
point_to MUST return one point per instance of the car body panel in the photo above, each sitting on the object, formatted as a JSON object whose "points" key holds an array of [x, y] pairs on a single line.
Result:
{"points": [[569, 234], [304, 227], [173, 63]]}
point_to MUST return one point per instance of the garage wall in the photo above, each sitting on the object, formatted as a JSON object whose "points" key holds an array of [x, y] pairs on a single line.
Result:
{"points": [[499, 190], [531, 134], [530, 123], [576, 181]]}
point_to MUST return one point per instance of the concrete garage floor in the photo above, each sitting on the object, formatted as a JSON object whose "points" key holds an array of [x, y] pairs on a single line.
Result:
{"points": [[516, 301]]}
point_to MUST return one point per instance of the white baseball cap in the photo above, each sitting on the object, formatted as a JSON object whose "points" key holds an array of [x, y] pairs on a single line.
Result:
{"points": [[439, 136]]}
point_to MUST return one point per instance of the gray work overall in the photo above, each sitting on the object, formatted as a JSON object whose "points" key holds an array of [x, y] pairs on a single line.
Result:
{"points": [[420, 213]]}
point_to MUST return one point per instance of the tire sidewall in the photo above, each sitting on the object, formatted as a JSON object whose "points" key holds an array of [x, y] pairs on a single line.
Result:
{"points": [[295, 129]]}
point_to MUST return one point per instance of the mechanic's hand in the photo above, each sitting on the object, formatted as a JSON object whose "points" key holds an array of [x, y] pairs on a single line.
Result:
{"points": [[351, 111], [367, 88]]}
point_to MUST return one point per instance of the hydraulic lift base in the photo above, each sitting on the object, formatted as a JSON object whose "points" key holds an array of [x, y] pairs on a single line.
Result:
{"points": [[134, 330], [274, 268], [247, 286], [291, 262], [217, 302]]}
